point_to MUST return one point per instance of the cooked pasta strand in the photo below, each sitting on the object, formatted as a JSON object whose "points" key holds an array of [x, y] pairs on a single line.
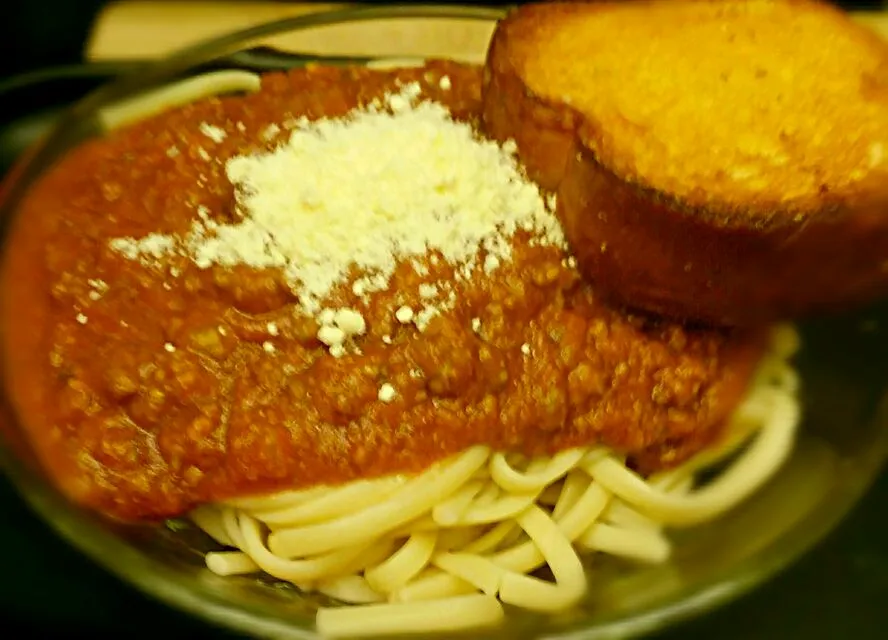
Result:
{"points": [[440, 548]]}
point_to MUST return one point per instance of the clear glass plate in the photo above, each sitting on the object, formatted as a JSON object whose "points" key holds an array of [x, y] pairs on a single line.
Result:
{"points": [[843, 444]]}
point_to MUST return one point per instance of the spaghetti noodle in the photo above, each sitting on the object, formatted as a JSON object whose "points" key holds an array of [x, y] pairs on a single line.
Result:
{"points": [[444, 550]]}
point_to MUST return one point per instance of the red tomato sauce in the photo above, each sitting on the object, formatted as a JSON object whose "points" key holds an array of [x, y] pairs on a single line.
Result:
{"points": [[137, 430]]}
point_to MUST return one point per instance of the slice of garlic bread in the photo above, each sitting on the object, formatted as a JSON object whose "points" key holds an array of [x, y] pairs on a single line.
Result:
{"points": [[724, 161]]}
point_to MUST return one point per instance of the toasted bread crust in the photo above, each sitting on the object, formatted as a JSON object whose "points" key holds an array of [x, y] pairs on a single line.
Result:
{"points": [[721, 255], [652, 253]]}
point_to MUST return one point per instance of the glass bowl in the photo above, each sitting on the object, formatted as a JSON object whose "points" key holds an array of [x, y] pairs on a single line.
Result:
{"points": [[841, 449]]}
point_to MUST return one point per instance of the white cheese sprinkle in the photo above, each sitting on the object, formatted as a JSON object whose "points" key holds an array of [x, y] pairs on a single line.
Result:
{"points": [[272, 329], [525, 349], [425, 316], [154, 245], [82, 319], [386, 392], [169, 347], [338, 326], [420, 268], [350, 321], [331, 335], [552, 201], [476, 325], [270, 132], [420, 186], [214, 133], [98, 288], [404, 315], [268, 347], [445, 83]]}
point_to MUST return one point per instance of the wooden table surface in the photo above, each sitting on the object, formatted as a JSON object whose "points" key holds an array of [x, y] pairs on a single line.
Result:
{"points": [[149, 28]]}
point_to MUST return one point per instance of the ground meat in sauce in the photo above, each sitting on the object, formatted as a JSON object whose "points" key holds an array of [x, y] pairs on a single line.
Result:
{"points": [[148, 390]]}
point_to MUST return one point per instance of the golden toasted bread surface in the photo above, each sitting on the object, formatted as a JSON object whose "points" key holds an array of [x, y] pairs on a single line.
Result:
{"points": [[752, 103], [723, 161]]}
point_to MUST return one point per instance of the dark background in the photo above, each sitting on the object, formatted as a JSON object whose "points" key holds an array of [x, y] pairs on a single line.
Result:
{"points": [[46, 589]]}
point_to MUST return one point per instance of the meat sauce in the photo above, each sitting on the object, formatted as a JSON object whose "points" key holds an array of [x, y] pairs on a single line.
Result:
{"points": [[149, 389]]}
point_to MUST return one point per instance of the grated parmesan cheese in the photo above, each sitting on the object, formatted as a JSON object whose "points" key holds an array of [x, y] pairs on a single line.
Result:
{"points": [[420, 186], [428, 183], [338, 326], [386, 392], [404, 315], [330, 335], [337, 350], [425, 316], [213, 132], [552, 201], [270, 132], [81, 318], [98, 288], [154, 245], [350, 321]]}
